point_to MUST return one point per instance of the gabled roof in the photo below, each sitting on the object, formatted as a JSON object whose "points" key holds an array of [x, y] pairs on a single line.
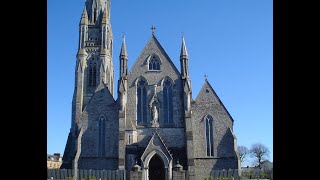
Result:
{"points": [[156, 143], [154, 40], [215, 97], [101, 88]]}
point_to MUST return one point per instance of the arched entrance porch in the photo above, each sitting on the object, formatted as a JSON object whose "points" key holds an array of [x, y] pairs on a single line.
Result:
{"points": [[157, 166]]}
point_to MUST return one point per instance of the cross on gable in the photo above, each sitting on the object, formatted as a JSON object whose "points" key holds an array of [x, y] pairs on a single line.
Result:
{"points": [[153, 28]]}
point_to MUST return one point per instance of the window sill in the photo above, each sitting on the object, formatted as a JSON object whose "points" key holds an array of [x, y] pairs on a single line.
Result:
{"points": [[154, 71]]}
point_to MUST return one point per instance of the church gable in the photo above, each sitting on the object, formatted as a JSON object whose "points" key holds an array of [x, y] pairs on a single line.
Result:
{"points": [[208, 99], [100, 125], [157, 146], [151, 73], [153, 62], [208, 107]]}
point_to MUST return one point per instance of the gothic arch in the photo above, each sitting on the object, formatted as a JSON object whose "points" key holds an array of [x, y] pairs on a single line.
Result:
{"points": [[92, 70], [154, 62], [167, 100], [209, 134], [164, 79], [204, 117], [141, 101], [140, 78], [156, 147], [145, 159], [102, 117]]}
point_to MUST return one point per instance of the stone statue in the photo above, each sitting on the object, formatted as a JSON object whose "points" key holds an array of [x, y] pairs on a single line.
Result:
{"points": [[155, 116]]}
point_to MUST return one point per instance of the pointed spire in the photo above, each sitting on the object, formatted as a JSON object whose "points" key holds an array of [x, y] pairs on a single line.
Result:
{"points": [[104, 16], [84, 16], [184, 52], [84, 12], [184, 60], [123, 52]]}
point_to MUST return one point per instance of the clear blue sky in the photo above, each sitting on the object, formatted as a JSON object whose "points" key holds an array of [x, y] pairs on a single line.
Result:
{"points": [[231, 41]]}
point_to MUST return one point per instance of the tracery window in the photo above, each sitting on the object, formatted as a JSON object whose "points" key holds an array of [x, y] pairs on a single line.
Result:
{"points": [[92, 73], [167, 102], [154, 63], [142, 101], [209, 135]]}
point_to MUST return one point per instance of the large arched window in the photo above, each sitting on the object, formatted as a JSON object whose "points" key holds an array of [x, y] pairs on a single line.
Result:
{"points": [[154, 63], [92, 73], [101, 136], [167, 102], [209, 135], [142, 102]]}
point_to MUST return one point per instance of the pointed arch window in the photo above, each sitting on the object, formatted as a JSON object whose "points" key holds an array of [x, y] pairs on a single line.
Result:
{"points": [[167, 102], [101, 136], [142, 102], [154, 63], [209, 135], [92, 73]]}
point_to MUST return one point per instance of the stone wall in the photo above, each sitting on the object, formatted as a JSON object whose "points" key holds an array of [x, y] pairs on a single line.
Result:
{"points": [[154, 77], [207, 103], [100, 105]]}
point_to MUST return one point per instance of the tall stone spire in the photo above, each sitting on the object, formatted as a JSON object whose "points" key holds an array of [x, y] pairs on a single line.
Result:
{"points": [[122, 100]]}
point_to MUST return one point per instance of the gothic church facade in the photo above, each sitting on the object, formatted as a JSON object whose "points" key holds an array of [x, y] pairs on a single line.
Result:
{"points": [[154, 122]]}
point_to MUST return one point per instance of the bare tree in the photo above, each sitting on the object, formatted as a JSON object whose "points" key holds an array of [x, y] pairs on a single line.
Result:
{"points": [[259, 151], [243, 152]]}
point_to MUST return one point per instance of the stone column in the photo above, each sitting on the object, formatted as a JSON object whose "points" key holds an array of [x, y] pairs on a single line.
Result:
{"points": [[178, 172], [136, 173]]}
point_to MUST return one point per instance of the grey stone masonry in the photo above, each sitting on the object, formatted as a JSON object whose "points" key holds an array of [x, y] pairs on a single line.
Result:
{"points": [[106, 133], [99, 152]]}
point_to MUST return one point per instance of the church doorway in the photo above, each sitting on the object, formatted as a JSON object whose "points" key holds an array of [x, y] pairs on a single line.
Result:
{"points": [[156, 168]]}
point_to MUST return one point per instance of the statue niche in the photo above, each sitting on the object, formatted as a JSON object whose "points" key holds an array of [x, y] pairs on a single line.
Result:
{"points": [[155, 115], [154, 106]]}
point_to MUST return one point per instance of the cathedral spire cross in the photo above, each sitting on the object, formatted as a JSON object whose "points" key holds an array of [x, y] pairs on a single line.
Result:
{"points": [[153, 28], [206, 77]]}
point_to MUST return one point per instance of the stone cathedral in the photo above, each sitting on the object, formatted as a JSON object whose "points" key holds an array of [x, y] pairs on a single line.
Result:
{"points": [[154, 122]]}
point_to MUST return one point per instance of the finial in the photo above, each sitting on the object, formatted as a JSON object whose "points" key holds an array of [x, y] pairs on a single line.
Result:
{"points": [[123, 51], [153, 28], [178, 161], [136, 161], [206, 77]]}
